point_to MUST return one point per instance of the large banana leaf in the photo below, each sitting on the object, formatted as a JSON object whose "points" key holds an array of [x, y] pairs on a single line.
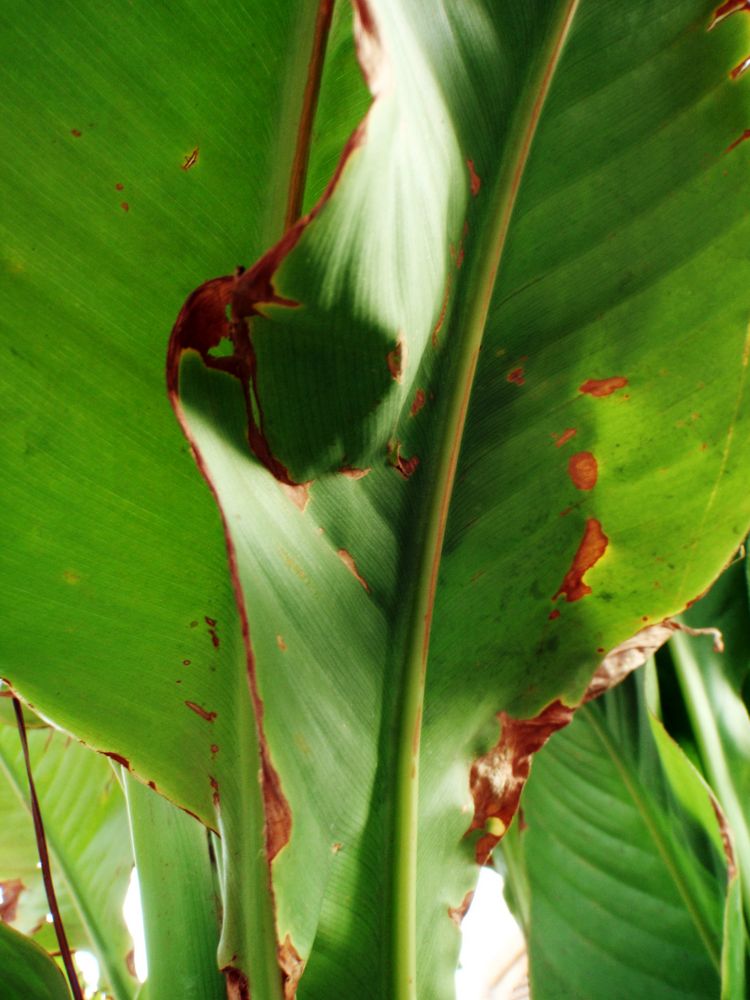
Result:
{"points": [[86, 827], [501, 312]]}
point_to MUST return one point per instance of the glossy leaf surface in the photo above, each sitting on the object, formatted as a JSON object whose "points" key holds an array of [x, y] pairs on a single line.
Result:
{"points": [[530, 236]]}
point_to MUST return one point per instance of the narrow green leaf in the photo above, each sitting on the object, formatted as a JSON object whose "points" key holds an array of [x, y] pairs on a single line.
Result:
{"points": [[178, 900]]}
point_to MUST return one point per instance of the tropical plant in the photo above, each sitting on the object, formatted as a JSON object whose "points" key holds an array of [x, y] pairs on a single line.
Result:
{"points": [[475, 417]]}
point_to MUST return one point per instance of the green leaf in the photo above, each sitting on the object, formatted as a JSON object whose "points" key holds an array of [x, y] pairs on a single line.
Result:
{"points": [[531, 206], [28, 972], [711, 686], [179, 906], [628, 877], [86, 826]]}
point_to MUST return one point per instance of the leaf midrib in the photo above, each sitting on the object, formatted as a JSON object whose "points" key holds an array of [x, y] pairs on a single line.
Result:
{"points": [[479, 289]]}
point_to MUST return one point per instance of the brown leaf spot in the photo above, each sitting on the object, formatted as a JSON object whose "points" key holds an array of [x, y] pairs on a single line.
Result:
{"points": [[592, 548], [186, 663], [475, 180], [352, 473], [336, 847], [457, 913], [561, 439], [603, 386], [348, 561], [12, 889], [554, 614], [204, 714], [124, 206], [419, 401], [396, 360], [516, 376], [292, 967], [76, 133], [280, 643], [583, 470], [214, 748], [119, 187], [190, 160]]}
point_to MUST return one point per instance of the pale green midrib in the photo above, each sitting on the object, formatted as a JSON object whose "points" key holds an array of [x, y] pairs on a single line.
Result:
{"points": [[110, 973], [479, 286], [632, 785], [709, 744]]}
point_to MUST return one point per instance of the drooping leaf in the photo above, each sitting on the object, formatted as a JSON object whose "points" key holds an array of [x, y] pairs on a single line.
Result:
{"points": [[86, 827], [524, 257]]}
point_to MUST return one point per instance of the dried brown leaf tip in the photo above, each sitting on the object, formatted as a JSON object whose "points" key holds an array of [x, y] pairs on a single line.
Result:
{"points": [[498, 777], [292, 967]]}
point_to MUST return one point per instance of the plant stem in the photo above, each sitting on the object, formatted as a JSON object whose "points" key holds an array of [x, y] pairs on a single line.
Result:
{"points": [[41, 842]]}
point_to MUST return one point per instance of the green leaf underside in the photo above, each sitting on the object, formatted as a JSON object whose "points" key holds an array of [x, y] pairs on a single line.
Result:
{"points": [[607, 199], [87, 834], [628, 885], [28, 972]]}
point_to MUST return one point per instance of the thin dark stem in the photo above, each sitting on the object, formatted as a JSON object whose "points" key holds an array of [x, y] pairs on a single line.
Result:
{"points": [[307, 117], [41, 843]]}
